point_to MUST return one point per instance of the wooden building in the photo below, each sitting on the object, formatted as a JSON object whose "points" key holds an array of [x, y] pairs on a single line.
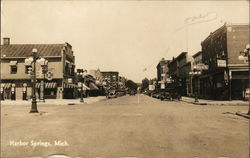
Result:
{"points": [[16, 81]]}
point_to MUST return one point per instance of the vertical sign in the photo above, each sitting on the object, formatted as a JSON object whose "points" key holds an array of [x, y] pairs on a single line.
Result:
{"points": [[42, 90]]}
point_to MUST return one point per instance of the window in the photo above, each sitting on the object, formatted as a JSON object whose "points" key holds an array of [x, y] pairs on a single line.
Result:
{"points": [[27, 68], [67, 69], [13, 69]]}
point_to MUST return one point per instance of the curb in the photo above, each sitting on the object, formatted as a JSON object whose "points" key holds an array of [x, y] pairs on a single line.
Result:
{"points": [[195, 103], [242, 115]]}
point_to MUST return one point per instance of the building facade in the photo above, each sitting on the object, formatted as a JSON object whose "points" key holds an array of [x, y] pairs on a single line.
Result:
{"points": [[196, 73], [227, 76], [15, 77], [162, 73], [110, 78], [179, 69]]}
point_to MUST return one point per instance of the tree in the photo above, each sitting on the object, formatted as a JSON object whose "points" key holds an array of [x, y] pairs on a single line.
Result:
{"points": [[144, 85], [131, 85]]}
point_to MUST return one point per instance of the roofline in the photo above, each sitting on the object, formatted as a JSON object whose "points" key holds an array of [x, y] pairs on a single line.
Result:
{"points": [[37, 44], [213, 33], [236, 24], [28, 56], [109, 71], [182, 53], [196, 54], [223, 27]]}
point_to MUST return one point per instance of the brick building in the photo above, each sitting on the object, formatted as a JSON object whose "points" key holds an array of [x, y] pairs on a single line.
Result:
{"points": [[162, 73], [110, 78], [227, 76], [16, 80], [179, 69]]}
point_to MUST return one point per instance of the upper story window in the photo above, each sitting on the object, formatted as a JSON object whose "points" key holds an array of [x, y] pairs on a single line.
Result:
{"points": [[13, 67], [27, 67]]}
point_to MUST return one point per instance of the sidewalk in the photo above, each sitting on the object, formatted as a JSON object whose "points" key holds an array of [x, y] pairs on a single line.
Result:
{"points": [[88, 100], [215, 102]]}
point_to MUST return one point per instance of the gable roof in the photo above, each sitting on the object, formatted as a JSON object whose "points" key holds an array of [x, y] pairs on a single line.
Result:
{"points": [[25, 50]]}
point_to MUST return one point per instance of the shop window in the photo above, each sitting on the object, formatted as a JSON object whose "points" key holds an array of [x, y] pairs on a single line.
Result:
{"points": [[13, 69], [218, 84]]}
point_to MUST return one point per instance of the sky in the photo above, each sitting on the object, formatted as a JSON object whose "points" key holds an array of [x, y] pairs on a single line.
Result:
{"points": [[126, 36]]}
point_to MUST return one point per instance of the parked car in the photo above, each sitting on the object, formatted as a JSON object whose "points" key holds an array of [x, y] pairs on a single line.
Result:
{"points": [[165, 96], [170, 94], [156, 95], [132, 92], [111, 94]]}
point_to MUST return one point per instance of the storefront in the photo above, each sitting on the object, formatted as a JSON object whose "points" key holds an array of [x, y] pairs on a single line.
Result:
{"points": [[240, 85], [50, 90], [8, 91], [69, 91], [225, 85]]}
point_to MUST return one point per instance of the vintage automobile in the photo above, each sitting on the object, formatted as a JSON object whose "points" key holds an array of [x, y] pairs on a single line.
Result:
{"points": [[169, 94], [165, 95], [120, 92], [111, 94], [132, 92]]}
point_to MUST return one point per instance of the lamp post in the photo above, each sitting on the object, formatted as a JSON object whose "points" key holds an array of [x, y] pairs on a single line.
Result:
{"points": [[44, 64], [192, 73], [80, 85], [33, 75], [246, 56]]}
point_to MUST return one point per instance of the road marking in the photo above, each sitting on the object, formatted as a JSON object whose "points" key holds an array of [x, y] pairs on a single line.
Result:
{"points": [[138, 99], [132, 114]]}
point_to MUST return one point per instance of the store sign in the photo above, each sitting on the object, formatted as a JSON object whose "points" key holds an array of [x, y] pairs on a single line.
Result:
{"points": [[247, 93], [168, 80], [162, 85], [70, 80], [221, 63], [195, 73], [201, 67], [49, 75], [151, 87]]}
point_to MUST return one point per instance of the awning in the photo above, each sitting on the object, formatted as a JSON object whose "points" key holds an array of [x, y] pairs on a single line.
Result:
{"points": [[47, 85], [92, 86], [6, 85], [38, 85], [85, 87], [50, 85], [69, 86], [13, 63]]}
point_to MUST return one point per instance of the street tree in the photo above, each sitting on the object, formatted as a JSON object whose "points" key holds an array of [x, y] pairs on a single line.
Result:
{"points": [[144, 85], [131, 85]]}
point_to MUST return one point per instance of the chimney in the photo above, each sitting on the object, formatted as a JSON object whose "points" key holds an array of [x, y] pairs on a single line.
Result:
{"points": [[6, 41]]}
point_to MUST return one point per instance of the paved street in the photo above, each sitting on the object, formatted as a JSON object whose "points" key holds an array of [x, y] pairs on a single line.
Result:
{"points": [[129, 126]]}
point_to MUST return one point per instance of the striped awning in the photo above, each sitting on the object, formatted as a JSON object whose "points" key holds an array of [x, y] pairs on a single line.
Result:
{"points": [[6, 85], [47, 85], [69, 86], [92, 86]]}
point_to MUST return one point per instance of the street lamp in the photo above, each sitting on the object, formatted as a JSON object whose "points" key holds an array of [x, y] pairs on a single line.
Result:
{"points": [[246, 56], [44, 64], [193, 73], [80, 85], [32, 71]]}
